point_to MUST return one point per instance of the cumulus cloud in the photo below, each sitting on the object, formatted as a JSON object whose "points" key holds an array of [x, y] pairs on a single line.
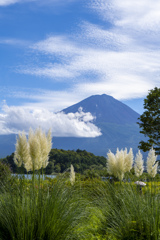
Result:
{"points": [[14, 119]]}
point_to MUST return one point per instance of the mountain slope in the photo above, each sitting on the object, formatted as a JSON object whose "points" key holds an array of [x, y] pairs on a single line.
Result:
{"points": [[106, 109], [116, 120], [7, 144]]}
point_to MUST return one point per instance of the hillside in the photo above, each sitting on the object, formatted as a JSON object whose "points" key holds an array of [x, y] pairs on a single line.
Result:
{"points": [[60, 160]]}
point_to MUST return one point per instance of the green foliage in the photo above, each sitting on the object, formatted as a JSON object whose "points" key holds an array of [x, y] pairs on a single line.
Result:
{"points": [[128, 214], [5, 173], [60, 160], [95, 171], [9, 160], [41, 211], [150, 121], [90, 209]]}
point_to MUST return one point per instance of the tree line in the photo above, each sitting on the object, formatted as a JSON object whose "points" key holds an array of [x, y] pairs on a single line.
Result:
{"points": [[60, 160]]}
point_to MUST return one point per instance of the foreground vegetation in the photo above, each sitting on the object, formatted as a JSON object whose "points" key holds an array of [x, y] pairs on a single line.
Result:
{"points": [[87, 209], [75, 206]]}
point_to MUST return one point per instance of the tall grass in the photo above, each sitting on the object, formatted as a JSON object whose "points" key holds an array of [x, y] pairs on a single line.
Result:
{"points": [[37, 211], [128, 214], [89, 210], [57, 212]]}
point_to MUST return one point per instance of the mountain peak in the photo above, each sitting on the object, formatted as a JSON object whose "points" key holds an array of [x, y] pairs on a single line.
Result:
{"points": [[105, 108]]}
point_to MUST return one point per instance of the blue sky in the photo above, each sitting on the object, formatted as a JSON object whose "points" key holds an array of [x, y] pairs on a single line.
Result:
{"points": [[55, 53]]}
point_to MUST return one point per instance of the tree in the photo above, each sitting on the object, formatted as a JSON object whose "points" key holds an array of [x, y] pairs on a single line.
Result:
{"points": [[150, 121]]}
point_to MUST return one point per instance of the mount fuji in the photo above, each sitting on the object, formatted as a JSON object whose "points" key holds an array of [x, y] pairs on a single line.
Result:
{"points": [[116, 121]]}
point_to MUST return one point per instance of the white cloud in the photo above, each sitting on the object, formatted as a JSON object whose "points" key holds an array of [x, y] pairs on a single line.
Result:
{"points": [[59, 45], [41, 2], [8, 2], [122, 74], [52, 71], [15, 119], [144, 14], [121, 89], [105, 38], [40, 98], [121, 60], [14, 42], [139, 20]]}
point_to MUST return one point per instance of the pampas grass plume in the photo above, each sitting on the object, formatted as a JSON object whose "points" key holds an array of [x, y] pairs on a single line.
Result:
{"points": [[119, 163], [111, 163], [128, 159], [21, 155], [138, 166], [151, 163], [72, 175], [34, 153]]}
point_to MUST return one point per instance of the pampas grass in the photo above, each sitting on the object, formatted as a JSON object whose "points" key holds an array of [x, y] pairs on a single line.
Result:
{"points": [[127, 214], [72, 175], [65, 209], [57, 212], [21, 155], [138, 165], [33, 154], [120, 163], [151, 163], [34, 211]]}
